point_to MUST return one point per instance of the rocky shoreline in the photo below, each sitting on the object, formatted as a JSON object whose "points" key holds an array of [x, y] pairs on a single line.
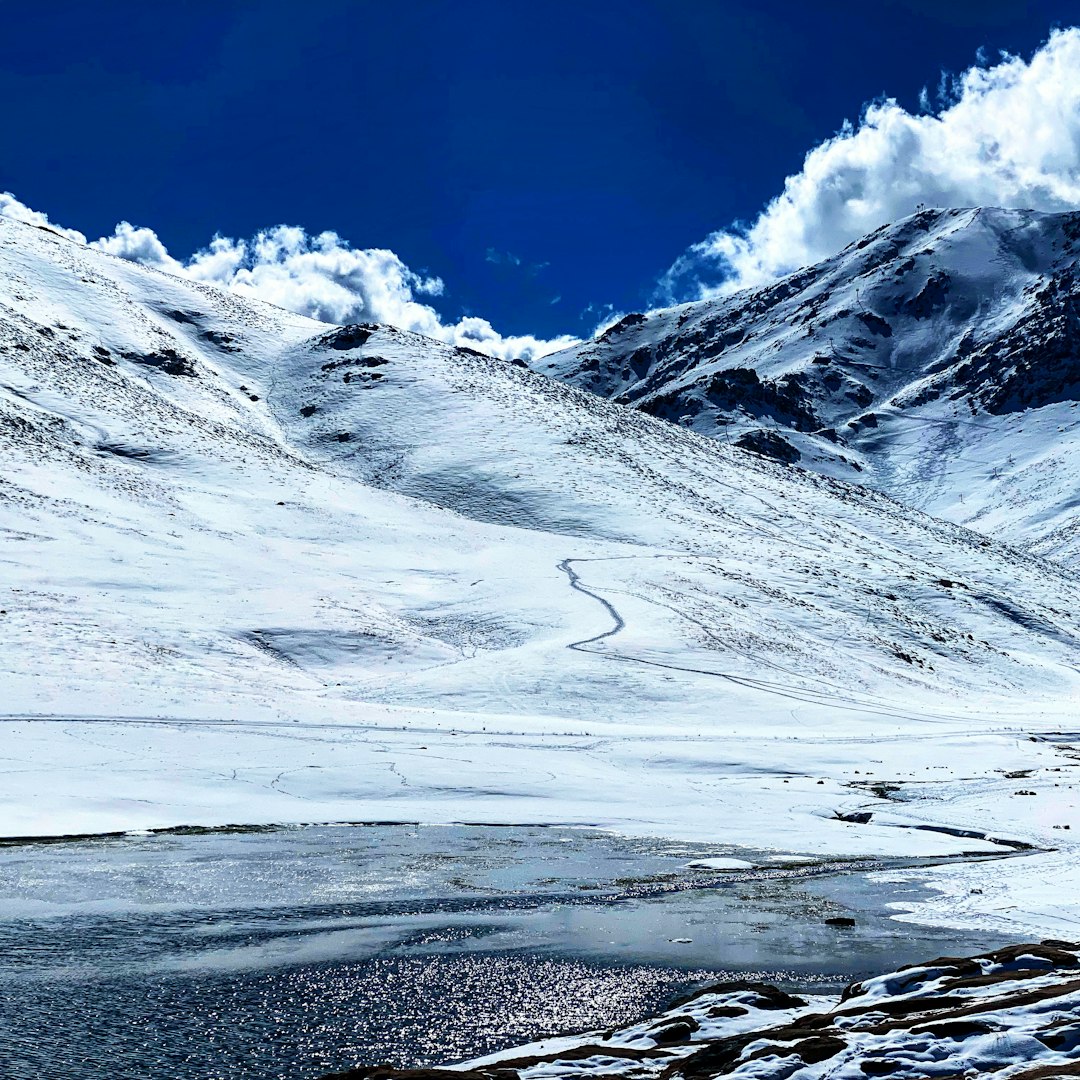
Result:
{"points": [[1013, 1014]]}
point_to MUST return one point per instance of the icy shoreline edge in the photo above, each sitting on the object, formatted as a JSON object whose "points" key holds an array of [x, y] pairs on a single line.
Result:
{"points": [[1013, 1013]]}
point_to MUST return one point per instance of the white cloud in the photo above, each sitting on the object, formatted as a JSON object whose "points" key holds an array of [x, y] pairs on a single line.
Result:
{"points": [[139, 245], [10, 207], [325, 278], [1004, 135], [320, 276]]}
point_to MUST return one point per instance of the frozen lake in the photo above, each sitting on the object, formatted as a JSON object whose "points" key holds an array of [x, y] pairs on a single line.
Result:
{"points": [[286, 953]]}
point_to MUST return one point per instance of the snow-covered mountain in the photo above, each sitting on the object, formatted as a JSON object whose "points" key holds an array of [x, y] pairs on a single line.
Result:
{"points": [[255, 568], [937, 359]]}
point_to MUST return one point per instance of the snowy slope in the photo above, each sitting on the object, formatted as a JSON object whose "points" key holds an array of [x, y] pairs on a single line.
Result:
{"points": [[935, 359], [260, 569]]}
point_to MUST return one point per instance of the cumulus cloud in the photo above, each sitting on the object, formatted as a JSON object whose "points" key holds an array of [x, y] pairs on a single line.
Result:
{"points": [[320, 276], [139, 245], [10, 207], [1006, 134], [325, 278]]}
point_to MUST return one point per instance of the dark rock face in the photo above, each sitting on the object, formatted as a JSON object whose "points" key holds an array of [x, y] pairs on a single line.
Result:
{"points": [[768, 444], [355, 361], [1037, 361], [675, 1031], [186, 318], [931, 298], [219, 339], [348, 337], [782, 399], [613, 331], [740, 389], [167, 360], [875, 324]]}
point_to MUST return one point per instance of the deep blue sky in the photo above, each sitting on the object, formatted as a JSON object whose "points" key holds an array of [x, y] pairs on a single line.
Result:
{"points": [[593, 141]]}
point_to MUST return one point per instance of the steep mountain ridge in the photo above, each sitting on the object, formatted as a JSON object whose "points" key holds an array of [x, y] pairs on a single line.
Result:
{"points": [[937, 359]]}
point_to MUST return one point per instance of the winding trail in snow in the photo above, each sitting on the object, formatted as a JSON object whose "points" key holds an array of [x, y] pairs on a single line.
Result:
{"points": [[828, 695], [575, 583], [1016, 848]]}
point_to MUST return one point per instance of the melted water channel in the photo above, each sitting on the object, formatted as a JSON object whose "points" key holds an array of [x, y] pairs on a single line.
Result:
{"points": [[287, 953]]}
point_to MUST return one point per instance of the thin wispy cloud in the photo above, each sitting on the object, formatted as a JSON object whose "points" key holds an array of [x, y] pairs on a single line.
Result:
{"points": [[508, 258], [1003, 134], [502, 258]]}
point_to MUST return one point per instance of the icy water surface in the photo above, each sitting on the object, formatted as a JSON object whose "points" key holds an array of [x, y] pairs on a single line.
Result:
{"points": [[287, 953]]}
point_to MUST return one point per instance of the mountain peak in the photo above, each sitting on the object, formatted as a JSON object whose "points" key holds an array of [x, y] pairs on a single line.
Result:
{"points": [[894, 359]]}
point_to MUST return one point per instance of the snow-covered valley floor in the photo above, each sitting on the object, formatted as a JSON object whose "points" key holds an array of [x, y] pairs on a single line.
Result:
{"points": [[259, 570], [255, 569]]}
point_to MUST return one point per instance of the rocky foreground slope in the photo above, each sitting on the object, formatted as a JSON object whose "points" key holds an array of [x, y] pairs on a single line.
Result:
{"points": [[936, 359], [1013, 1014]]}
